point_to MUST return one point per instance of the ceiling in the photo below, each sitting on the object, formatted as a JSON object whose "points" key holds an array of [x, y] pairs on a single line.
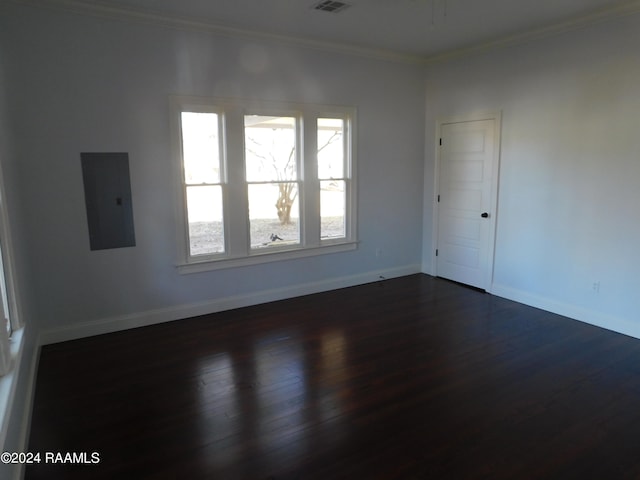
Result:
{"points": [[418, 29]]}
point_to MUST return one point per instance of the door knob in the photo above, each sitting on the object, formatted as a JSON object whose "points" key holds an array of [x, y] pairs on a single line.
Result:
{"points": [[485, 215]]}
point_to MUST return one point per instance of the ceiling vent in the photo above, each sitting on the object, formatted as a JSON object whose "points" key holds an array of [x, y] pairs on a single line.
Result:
{"points": [[331, 6]]}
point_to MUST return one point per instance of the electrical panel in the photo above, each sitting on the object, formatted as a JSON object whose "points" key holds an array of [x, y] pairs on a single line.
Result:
{"points": [[107, 194]]}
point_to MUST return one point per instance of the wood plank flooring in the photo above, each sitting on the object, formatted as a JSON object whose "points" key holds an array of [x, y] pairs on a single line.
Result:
{"points": [[411, 378]]}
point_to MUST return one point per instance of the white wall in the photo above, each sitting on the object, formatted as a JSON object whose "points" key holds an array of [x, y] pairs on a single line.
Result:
{"points": [[570, 168], [95, 84]]}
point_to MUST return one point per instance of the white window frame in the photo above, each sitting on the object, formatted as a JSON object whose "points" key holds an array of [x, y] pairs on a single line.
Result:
{"points": [[348, 174], [300, 168], [238, 251], [194, 108]]}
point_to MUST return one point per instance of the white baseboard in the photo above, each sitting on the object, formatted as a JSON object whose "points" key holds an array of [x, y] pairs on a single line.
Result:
{"points": [[178, 312], [615, 324]]}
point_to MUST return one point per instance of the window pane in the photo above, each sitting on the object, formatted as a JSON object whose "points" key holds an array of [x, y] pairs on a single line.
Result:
{"points": [[331, 148], [270, 148], [200, 147], [204, 212], [274, 215], [332, 209]]}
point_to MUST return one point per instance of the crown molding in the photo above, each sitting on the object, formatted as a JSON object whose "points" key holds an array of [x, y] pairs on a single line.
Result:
{"points": [[598, 16], [111, 11], [104, 10]]}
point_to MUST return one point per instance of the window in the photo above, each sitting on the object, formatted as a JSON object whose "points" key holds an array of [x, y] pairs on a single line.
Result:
{"points": [[262, 182], [271, 165], [333, 176], [203, 182]]}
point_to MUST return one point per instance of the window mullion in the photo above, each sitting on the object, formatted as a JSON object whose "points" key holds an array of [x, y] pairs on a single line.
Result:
{"points": [[311, 187], [236, 203]]}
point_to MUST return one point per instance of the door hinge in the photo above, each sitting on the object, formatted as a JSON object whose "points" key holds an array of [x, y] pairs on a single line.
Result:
{"points": [[441, 142], [438, 198], [436, 252]]}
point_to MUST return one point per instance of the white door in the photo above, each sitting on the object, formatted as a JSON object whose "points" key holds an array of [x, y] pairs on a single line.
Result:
{"points": [[466, 204]]}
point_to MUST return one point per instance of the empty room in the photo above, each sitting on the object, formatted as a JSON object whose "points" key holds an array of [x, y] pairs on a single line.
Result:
{"points": [[317, 239]]}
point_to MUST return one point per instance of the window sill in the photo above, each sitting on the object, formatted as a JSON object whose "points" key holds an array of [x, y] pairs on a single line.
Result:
{"points": [[260, 257]]}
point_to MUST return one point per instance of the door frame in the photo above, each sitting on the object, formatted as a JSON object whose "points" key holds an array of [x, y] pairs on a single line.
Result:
{"points": [[496, 116]]}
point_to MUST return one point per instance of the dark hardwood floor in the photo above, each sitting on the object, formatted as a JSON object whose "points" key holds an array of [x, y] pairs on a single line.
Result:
{"points": [[411, 378]]}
